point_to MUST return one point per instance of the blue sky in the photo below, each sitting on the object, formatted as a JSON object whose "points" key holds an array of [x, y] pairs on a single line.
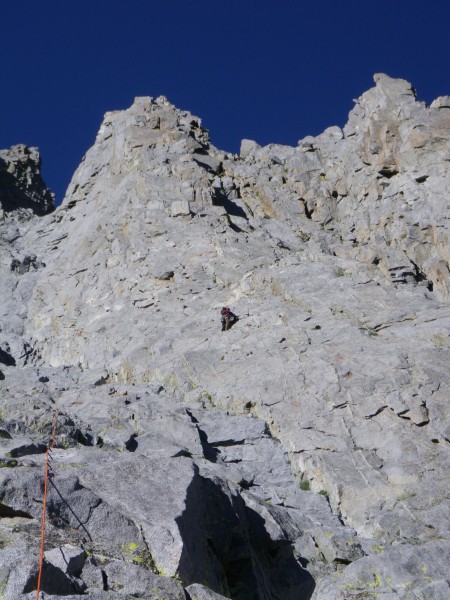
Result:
{"points": [[269, 70]]}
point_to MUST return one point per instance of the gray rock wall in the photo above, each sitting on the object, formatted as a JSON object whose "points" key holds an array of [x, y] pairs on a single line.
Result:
{"points": [[301, 454]]}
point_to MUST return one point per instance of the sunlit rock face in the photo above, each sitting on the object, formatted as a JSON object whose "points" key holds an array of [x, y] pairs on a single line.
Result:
{"points": [[304, 452]]}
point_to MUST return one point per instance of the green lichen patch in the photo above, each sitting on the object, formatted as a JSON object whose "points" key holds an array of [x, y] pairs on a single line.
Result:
{"points": [[8, 463], [140, 556]]}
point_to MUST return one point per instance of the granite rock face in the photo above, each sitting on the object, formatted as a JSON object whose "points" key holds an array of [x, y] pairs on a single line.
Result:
{"points": [[304, 453]]}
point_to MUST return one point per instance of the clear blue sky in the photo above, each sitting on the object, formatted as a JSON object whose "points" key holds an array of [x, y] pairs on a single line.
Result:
{"points": [[269, 70]]}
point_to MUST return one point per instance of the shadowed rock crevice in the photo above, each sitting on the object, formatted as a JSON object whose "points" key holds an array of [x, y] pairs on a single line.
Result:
{"points": [[131, 444], [7, 359], [209, 452], [220, 198], [54, 582], [8, 512], [227, 548]]}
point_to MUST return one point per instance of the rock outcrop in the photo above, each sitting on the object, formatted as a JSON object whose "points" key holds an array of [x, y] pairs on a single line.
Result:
{"points": [[22, 190], [304, 453]]}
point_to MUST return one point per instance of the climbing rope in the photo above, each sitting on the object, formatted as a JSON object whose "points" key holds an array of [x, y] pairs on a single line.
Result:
{"points": [[52, 443], [44, 502]]}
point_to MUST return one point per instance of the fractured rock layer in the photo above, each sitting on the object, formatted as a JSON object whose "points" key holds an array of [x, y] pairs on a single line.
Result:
{"points": [[303, 453]]}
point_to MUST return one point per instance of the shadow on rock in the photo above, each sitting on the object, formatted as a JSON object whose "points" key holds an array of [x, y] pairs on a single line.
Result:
{"points": [[227, 548], [54, 582], [7, 359], [233, 209], [209, 452], [61, 512], [20, 192]]}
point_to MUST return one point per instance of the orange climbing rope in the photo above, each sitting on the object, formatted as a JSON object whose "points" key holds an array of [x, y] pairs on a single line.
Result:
{"points": [[47, 464], [44, 502]]}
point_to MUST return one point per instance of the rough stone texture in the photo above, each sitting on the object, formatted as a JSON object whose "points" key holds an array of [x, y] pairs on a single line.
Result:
{"points": [[22, 189], [197, 591], [304, 453]]}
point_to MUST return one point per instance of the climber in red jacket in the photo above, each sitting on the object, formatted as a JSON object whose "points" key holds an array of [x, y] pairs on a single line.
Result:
{"points": [[227, 318]]}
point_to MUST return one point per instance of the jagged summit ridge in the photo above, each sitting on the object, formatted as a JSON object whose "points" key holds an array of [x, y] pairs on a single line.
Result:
{"points": [[334, 255], [384, 138]]}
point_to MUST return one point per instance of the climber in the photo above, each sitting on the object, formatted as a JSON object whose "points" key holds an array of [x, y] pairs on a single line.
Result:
{"points": [[228, 318]]}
